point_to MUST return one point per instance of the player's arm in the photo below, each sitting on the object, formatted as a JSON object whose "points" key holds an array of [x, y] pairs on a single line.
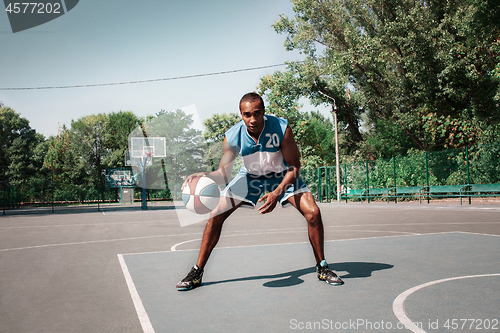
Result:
{"points": [[221, 175], [292, 157]]}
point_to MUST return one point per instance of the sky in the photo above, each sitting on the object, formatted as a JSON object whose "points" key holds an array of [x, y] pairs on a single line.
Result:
{"points": [[129, 40]]}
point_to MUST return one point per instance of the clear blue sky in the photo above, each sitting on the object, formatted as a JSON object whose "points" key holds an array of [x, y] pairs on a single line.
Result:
{"points": [[129, 40]]}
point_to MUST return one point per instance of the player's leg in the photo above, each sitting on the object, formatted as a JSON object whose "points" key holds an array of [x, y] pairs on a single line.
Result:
{"points": [[305, 204], [241, 188], [233, 196], [210, 238], [213, 229]]}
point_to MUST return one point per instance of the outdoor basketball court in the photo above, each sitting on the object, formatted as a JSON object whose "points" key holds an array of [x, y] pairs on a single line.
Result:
{"points": [[406, 267]]}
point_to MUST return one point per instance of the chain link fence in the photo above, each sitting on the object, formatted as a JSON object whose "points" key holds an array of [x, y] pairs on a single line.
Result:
{"points": [[52, 196], [475, 165]]}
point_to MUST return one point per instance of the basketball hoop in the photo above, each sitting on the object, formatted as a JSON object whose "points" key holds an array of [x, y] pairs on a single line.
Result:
{"points": [[119, 177], [149, 158]]}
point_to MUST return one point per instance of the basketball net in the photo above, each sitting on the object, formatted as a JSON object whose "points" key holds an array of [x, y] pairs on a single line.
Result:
{"points": [[149, 158]]}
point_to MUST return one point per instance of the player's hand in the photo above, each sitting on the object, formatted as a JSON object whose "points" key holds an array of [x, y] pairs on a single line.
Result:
{"points": [[190, 177], [271, 200]]}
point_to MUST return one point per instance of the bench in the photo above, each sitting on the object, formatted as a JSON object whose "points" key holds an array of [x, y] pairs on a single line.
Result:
{"points": [[446, 191], [378, 193], [485, 189], [353, 193], [482, 190], [410, 191], [436, 191]]}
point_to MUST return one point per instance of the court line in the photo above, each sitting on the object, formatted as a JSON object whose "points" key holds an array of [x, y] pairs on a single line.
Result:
{"points": [[136, 299], [140, 308], [477, 233], [397, 305], [82, 224], [126, 239], [174, 220], [290, 243], [88, 242], [257, 232], [174, 247]]}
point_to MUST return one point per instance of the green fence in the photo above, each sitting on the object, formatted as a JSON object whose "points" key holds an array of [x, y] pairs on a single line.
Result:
{"points": [[474, 165], [54, 195]]}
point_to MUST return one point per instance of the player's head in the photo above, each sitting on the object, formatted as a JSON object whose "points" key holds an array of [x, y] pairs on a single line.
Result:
{"points": [[252, 97], [252, 112]]}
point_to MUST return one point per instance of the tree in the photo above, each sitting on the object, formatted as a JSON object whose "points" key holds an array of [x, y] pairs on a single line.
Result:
{"points": [[18, 142], [218, 124], [67, 168], [406, 59], [317, 141], [90, 133], [283, 90], [216, 127], [184, 148], [118, 127]]}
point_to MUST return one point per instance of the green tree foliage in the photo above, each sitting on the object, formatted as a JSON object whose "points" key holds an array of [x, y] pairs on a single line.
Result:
{"points": [[184, 148], [282, 91], [90, 135], [20, 160], [422, 67], [63, 159], [216, 127], [317, 141], [77, 156], [67, 169], [313, 132], [218, 124], [118, 127]]}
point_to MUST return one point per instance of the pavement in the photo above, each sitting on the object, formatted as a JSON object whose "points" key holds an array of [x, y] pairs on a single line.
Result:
{"points": [[406, 267]]}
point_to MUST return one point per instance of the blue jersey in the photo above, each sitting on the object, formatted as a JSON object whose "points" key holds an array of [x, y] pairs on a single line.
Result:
{"points": [[262, 157]]}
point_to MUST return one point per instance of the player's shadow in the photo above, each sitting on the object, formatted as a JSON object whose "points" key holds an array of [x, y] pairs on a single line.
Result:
{"points": [[288, 279]]}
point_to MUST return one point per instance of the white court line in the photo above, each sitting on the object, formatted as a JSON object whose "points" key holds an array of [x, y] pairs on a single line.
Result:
{"points": [[398, 309], [174, 247], [266, 232], [278, 244], [174, 220], [89, 242], [476, 233], [82, 224], [139, 307], [128, 239]]}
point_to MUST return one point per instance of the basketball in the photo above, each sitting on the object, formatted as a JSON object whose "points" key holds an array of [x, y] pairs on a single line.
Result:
{"points": [[201, 195]]}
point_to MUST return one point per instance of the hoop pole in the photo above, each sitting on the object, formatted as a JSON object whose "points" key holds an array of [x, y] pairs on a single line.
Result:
{"points": [[144, 204]]}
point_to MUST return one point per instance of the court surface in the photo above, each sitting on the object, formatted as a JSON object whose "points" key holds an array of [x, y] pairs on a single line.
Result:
{"points": [[406, 267]]}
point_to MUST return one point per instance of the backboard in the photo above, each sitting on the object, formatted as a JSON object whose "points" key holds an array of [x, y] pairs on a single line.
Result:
{"points": [[120, 177], [147, 147]]}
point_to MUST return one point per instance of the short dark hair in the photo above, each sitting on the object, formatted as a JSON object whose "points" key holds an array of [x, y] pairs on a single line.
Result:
{"points": [[250, 97]]}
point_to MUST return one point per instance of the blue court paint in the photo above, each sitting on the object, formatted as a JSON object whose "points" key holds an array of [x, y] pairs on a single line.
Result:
{"points": [[275, 288]]}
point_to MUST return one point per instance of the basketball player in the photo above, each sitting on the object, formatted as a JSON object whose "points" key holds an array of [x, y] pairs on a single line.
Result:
{"points": [[270, 173]]}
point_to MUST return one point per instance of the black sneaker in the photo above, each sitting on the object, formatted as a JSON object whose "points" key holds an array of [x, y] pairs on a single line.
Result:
{"points": [[192, 280], [327, 275]]}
